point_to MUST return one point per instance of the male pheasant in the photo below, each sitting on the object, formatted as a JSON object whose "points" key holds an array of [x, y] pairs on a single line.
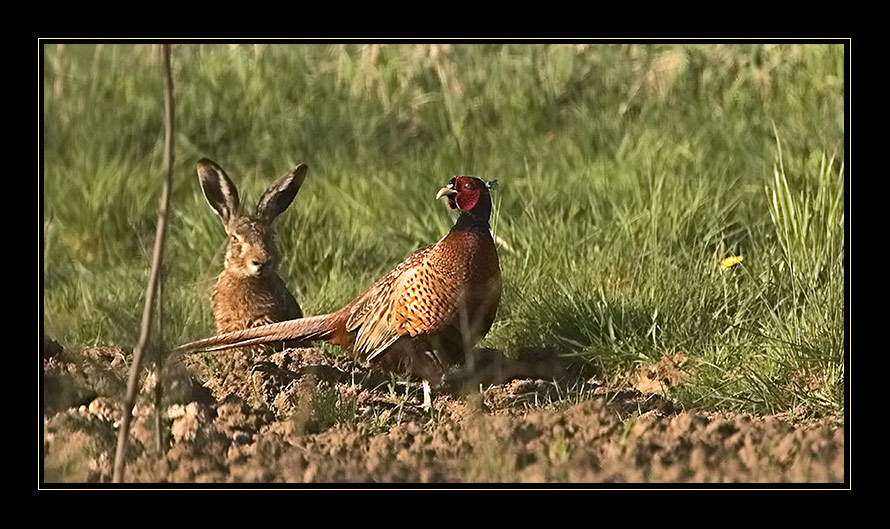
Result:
{"points": [[422, 317]]}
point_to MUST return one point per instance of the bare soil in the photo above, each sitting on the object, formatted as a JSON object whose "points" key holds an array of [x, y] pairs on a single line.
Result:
{"points": [[306, 416]]}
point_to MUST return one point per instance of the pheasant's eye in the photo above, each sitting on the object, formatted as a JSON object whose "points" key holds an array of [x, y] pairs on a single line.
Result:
{"points": [[467, 185]]}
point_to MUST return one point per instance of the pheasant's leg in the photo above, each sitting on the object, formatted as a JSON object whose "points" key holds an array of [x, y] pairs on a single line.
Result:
{"points": [[427, 401]]}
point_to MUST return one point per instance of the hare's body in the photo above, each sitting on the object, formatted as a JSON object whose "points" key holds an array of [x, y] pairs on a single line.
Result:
{"points": [[240, 302], [249, 291]]}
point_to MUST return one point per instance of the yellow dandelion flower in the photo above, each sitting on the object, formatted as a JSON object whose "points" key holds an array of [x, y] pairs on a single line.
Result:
{"points": [[729, 262]]}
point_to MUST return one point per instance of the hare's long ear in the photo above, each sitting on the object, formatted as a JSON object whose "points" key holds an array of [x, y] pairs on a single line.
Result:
{"points": [[281, 193], [219, 190]]}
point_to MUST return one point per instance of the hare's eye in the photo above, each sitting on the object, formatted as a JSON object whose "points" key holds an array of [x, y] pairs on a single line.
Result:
{"points": [[234, 238]]}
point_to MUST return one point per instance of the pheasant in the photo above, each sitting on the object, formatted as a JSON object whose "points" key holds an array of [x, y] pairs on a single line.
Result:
{"points": [[421, 318]]}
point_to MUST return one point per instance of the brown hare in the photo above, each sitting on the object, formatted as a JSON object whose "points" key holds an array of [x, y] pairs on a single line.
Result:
{"points": [[249, 291]]}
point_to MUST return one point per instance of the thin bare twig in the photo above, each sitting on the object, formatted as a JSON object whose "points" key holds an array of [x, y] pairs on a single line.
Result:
{"points": [[158, 368], [154, 276]]}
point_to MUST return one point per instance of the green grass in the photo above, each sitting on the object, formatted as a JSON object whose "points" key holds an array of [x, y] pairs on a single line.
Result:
{"points": [[627, 173]]}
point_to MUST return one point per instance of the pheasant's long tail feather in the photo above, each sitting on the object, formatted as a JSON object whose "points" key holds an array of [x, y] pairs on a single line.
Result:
{"points": [[303, 329]]}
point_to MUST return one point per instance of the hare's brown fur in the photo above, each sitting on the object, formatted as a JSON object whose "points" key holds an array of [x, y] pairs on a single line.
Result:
{"points": [[249, 291]]}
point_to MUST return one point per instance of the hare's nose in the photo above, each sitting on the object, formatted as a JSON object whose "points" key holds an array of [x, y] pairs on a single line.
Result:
{"points": [[258, 266]]}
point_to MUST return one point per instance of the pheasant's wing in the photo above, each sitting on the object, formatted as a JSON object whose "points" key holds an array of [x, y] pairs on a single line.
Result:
{"points": [[425, 297], [370, 313], [418, 297], [370, 301]]}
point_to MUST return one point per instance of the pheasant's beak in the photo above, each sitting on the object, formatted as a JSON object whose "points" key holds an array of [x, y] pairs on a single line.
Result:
{"points": [[446, 191]]}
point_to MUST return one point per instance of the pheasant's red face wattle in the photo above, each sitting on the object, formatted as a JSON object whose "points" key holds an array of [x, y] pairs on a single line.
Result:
{"points": [[466, 199]]}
